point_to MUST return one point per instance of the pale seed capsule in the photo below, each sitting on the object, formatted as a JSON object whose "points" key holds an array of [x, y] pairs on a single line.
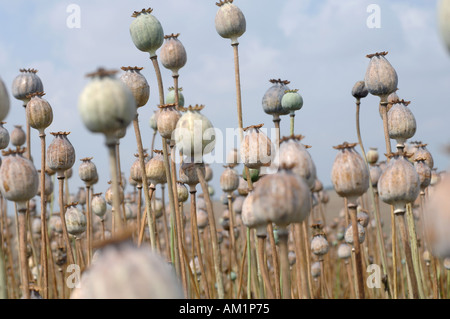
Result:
{"points": [[188, 172], [292, 258], [271, 101], [201, 203], [60, 153], [75, 221], [443, 22], [319, 245], [155, 170], [324, 197], [256, 149], [39, 112], [372, 155], [422, 152], [4, 136], [157, 207], [230, 21], [344, 251], [87, 171], [136, 172], [146, 32], [173, 54], [349, 234], [125, 271], [349, 173], [137, 83], [359, 90], [27, 82], [315, 269], [318, 186], [202, 218], [182, 192], [363, 218], [4, 101], [292, 101], [424, 172], [32, 207], [36, 226], [381, 78], [194, 264], [243, 187], [401, 122], [237, 204], [167, 120], [211, 190], [233, 157], [80, 197], [55, 224], [229, 180], [18, 136], [208, 173], [251, 220], [98, 205], [109, 195], [68, 173], [170, 96], [154, 120]]}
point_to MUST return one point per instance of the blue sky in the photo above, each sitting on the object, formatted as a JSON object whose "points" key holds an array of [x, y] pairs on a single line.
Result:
{"points": [[320, 46]]}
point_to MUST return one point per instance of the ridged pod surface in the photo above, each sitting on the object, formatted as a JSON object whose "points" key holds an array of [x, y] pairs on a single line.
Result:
{"points": [[75, 221], [98, 205], [137, 83], [256, 148], [60, 153], [229, 180], [381, 78], [168, 118], [87, 171], [155, 171], [146, 31], [173, 54], [39, 112], [27, 82], [230, 21], [401, 122], [18, 136], [4, 136], [271, 101], [170, 96]]}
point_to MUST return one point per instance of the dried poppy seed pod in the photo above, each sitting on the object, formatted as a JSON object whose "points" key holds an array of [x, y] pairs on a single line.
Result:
{"points": [[359, 90], [98, 205], [157, 207], [443, 22], [372, 155], [75, 221], [137, 83], [202, 218], [36, 227], [381, 78], [80, 197], [146, 32], [167, 120], [229, 180], [136, 172], [375, 173], [154, 120], [87, 171], [173, 54], [424, 172], [182, 192], [232, 158], [230, 21], [4, 101], [344, 251], [271, 101], [399, 184], [25, 83], [319, 245], [48, 189], [422, 152], [401, 122], [256, 149], [60, 153], [155, 170], [55, 224], [292, 101], [4, 136], [125, 271], [363, 218], [251, 220], [195, 135], [18, 178], [349, 173], [106, 104], [39, 112], [208, 173], [315, 270], [237, 204], [170, 97], [18, 136], [188, 172], [243, 187], [349, 234], [110, 193]]}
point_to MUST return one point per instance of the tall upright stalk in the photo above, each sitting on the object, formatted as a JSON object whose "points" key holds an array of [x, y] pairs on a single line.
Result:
{"points": [[111, 144], [283, 235], [44, 259], [22, 220], [62, 212], [357, 247], [89, 225], [263, 266]]}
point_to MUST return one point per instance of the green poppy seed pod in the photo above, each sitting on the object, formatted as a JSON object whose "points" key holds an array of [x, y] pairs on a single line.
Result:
{"points": [[399, 184], [194, 135], [4, 136], [202, 218], [359, 90], [319, 245], [422, 152], [182, 192], [137, 83], [106, 104], [39, 112], [75, 221], [315, 270], [237, 204], [232, 158], [48, 188], [243, 187], [155, 170], [401, 122], [444, 22], [256, 148], [250, 219], [208, 173], [292, 101], [146, 31], [188, 172], [372, 155], [98, 205], [18, 178], [375, 173], [230, 21], [80, 197], [154, 120], [271, 101], [60, 153], [170, 96], [4, 101], [293, 153], [254, 174], [110, 194], [344, 251], [167, 120], [363, 218], [124, 271], [87, 171], [173, 54], [27, 82], [349, 234], [381, 78], [424, 172], [282, 198], [55, 224], [229, 180], [349, 174], [18, 136]]}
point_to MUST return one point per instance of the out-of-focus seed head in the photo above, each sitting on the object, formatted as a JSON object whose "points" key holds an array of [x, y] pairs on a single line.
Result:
{"points": [[349, 234], [359, 90], [137, 83]]}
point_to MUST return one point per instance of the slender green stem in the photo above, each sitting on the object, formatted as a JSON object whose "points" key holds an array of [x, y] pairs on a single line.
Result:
{"points": [[292, 123]]}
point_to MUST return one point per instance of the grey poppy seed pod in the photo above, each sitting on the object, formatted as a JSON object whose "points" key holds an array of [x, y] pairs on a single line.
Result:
{"points": [[182, 193], [202, 218], [98, 205], [146, 32], [381, 78], [137, 83], [318, 186], [125, 271], [208, 173], [129, 211], [167, 120], [39, 112], [271, 101], [4, 101], [60, 153], [372, 155], [154, 120], [375, 173], [188, 172], [170, 96], [349, 174], [422, 152], [324, 197], [363, 218], [48, 189], [424, 172], [155, 170], [110, 194], [87, 171], [319, 245], [443, 22], [36, 226], [243, 187], [250, 219], [359, 90], [173, 54], [401, 122], [229, 180], [315, 269], [18, 136], [4, 136], [136, 172], [256, 149], [75, 221], [349, 234], [80, 197], [55, 224], [344, 251], [68, 173], [230, 21], [157, 207], [391, 99], [232, 158], [237, 204], [27, 82]]}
